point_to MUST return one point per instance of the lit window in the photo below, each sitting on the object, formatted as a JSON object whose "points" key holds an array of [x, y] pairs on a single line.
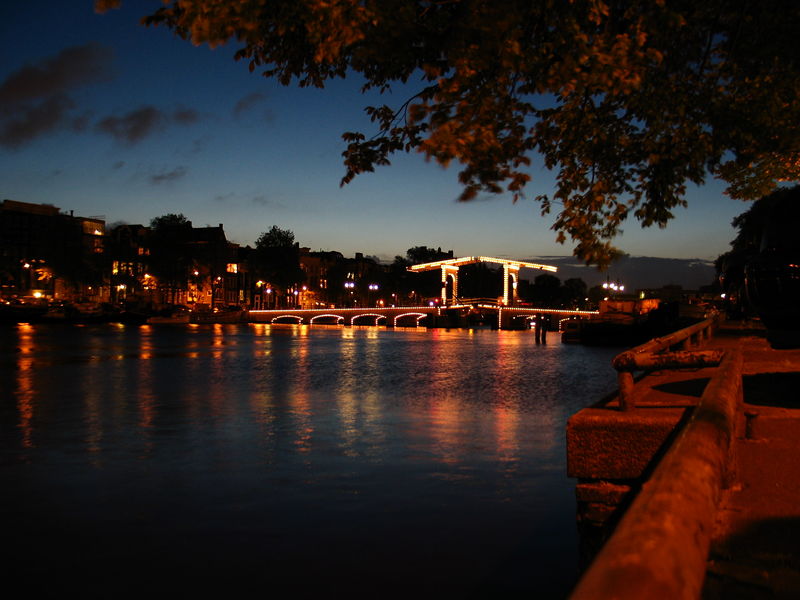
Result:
{"points": [[233, 268]]}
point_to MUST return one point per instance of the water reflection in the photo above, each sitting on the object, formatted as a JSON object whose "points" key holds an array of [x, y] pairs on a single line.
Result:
{"points": [[25, 384], [276, 441]]}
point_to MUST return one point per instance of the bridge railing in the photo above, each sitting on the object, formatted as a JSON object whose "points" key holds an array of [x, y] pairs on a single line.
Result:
{"points": [[672, 351], [473, 301]]}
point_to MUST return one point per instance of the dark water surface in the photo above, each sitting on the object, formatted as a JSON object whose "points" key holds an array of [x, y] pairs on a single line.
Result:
{"points": [[290, 461]]}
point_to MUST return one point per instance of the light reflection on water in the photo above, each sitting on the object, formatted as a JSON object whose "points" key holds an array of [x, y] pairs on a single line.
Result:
{"points": [[243, 456]]}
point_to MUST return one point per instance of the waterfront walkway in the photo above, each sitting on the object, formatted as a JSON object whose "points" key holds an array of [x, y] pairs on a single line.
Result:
{"points": [[755, 548], [751, 529]]}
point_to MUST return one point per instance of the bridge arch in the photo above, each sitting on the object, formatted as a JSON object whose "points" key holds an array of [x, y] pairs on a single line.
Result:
{"points": [[298, 319], [418, 317], [376, 315], [339, 318]]}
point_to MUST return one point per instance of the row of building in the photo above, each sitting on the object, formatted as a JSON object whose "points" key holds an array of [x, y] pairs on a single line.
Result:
{"points": [[56, 256]]}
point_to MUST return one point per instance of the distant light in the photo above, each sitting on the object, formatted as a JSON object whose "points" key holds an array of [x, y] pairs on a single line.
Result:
{"points": [[98, 232], [27, 265], [37, 294], [722, 295]]}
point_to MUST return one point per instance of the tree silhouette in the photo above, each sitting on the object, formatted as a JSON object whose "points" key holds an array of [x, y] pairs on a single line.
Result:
{"points": [[276, 238], [769, 224], [169, 259], [276, 259]]}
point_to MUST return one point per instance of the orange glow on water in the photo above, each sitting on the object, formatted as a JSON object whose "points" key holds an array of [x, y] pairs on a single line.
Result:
{"points": [[26, 395]]}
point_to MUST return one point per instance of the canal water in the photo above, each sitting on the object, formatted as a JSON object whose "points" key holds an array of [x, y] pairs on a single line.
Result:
{"points": [[290, 461]]}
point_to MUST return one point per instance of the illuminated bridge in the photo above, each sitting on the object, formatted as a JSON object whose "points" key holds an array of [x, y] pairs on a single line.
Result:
{"points": [[504, 313], [451, 266], [455, 315], [408, 316]]}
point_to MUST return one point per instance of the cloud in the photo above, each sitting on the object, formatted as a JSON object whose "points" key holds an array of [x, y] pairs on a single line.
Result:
{"points": [[134, 126], [35, 99], [199, 145], [118, 165], [185, 116], [29, 122], [248, 102], [261, 200], [169, 176], [252, 102], [70, 69]]}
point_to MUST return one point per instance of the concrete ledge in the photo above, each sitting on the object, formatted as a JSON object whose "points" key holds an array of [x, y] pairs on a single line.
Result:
{"points": [[660, 547], [603, 443], [599, 501]]}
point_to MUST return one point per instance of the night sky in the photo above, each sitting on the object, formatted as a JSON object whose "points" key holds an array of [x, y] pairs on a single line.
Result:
{"points": [[103, 116]]}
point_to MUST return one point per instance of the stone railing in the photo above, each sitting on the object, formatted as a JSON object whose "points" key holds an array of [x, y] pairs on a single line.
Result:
{"points": [[673, 351], [660, 547]]}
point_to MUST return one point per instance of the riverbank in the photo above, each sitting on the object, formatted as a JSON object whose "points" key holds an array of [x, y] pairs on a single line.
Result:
{"points": [[749, 539]]}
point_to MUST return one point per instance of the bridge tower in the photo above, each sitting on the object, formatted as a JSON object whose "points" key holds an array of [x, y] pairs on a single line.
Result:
{"points": [[452, 272], [449, 269], [510, 279]]}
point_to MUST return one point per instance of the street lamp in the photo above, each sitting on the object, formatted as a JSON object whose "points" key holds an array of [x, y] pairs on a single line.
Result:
{"points": [[215, 290], [372, 288], [349, 285], [614, 286]]}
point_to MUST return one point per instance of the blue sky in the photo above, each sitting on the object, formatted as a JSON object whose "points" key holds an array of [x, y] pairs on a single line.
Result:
{"points": [[131, 123]]}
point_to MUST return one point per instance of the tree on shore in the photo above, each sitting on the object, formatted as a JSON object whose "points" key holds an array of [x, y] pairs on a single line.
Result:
{"points": [[627, 101], [169, 260], [772, 216], [276, 259]]}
